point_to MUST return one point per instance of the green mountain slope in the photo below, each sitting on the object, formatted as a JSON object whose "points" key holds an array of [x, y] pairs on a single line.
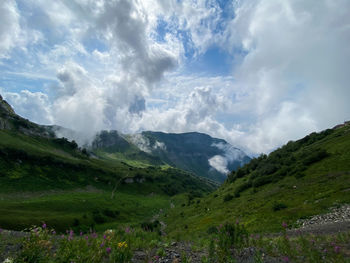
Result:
{"points": [[300, 179], [192, 152], [113, 146], [43, 178]]}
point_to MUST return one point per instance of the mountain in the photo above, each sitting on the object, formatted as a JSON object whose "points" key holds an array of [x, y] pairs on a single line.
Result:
{"points": [[9, 120], [45, 178], [299, 180], [195, 152], [114, 146]]}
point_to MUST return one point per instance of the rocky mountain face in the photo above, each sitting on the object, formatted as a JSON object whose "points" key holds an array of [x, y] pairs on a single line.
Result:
{"points": [[195, 152], [9, 120]]}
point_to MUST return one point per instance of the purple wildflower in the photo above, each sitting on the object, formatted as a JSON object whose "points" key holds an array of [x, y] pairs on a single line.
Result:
{"points": [[284, 224], [104, 237], [81, 233], [44, 225], [86, 237], [127, 230], [108, 250], [337, 249], [285, 259], [102, 244], [1, 230]]}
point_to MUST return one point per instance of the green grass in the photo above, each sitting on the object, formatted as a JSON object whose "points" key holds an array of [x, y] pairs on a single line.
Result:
{"points": [[325, 184], [42, 180], [60, 210]]}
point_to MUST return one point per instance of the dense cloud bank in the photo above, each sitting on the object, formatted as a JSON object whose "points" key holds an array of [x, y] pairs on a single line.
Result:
{"points": [[130, 66]]}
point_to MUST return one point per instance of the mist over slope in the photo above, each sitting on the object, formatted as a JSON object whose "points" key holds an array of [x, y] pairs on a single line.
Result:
{"points": [[196, 152]]}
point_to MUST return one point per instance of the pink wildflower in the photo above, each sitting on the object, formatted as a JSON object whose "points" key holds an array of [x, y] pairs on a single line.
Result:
{"points": [[285, 259], [284, 224], [337, 249]]}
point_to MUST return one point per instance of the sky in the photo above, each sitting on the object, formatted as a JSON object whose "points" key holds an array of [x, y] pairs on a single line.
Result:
{"points": [[256, 73]]}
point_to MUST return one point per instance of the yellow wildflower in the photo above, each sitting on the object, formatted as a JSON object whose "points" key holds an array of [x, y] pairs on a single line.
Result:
{"points": [[122, 244]]}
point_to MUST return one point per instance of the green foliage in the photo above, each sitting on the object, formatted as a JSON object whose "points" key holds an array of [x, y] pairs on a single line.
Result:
{"points": [[304, 248], [151, 226], [243, 186], [306, 189], [226, 241], [289, 160], [43, 246], [228, 197], [278, 206]]}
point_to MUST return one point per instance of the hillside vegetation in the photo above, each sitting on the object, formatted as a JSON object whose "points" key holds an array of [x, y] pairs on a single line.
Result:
{"points": [[296, 181], [44, 178]]}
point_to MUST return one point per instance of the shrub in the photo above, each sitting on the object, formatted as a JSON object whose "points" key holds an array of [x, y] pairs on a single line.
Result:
{"points": [[228, 238], [212, 230], [98, 218], [242, 187], [150, 226], [110, 213], [228, 197], [315, 156], [278, 206], [260, 181]]}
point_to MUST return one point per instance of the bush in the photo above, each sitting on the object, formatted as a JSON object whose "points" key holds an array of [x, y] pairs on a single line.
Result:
{"points": [[110, 213], [212, 230], [315, 156], [228, 238], [150, 226], [278, 206], [260, 181], [242, 187], [98, 218], [228, 197]]}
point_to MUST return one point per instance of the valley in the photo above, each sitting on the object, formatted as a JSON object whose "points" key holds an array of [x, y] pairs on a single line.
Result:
{"points": [[160, 194]]}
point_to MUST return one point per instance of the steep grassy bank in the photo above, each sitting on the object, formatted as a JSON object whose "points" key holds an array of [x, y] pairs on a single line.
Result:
{"points": [[300, 179]]}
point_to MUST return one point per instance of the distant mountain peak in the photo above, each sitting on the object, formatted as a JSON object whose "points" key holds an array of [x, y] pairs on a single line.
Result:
{"points": [[193, 151]]}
